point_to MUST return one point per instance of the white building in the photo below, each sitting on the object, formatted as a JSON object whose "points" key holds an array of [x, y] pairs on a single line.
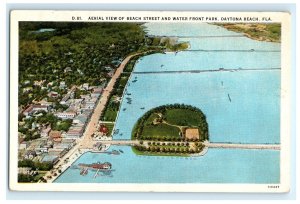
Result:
{"points": [[66, 115]]}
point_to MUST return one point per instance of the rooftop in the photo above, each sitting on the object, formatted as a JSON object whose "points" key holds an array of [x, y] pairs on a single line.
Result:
{"points": [[192, 133]]}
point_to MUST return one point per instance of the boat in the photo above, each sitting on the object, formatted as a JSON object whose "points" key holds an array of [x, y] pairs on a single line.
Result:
{"points": [[121, 151], [83, 172], [115, 152], [95, 166], [229, 98]]}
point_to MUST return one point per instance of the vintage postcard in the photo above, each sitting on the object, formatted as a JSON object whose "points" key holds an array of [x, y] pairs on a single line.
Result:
{"points": [[149, 101]]}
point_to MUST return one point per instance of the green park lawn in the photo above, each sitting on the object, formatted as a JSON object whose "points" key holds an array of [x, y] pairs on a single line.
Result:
{"points": [[183, 117], [160, 131]]}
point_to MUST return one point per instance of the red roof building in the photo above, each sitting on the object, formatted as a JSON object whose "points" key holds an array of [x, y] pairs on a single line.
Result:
{"points": [[103, 129]]}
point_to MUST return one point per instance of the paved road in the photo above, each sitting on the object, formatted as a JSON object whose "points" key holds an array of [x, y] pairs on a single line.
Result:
{"points": [[91, 127]]}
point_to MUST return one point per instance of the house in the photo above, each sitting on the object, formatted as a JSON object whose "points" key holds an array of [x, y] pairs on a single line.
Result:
{"points": [[88, 105], [39, 83], [39, 146], [85, 86], [62, 85], [57, 152], [74, 134], [75, 131], [67, 69], [46, 103], [53, 94], [23, 145], [71, 142], [80, 119], [45, 131], [27, 89], [50, 158], [65, 115], [111, 73], [30, 154], [55, 136], [34, 108], [26, 171], [96, 92], [61, 145], [192, 134], [64, 99]]}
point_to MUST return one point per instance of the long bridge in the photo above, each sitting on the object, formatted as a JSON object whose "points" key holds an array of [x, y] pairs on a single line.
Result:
{"points": [[213, 50], [206, 143], [207, 70], [195, 36]]}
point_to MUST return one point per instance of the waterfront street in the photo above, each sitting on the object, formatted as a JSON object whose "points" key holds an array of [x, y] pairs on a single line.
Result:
{"points": [[91, 127]]}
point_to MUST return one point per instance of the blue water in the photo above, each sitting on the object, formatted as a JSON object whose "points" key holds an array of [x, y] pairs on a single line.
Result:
{"points": [[240, 166], [208, 61], [252, 115]]}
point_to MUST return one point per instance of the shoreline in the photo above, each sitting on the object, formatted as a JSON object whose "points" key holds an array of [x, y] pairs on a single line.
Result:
{"points": [[246, 31], [79, 152], [73, 158]]}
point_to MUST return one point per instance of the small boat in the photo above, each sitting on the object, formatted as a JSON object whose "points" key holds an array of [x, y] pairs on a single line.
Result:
{"points": [[115, 152], [124, 109], [229, 98], [84, 172], [143, 108], [121, 151]]}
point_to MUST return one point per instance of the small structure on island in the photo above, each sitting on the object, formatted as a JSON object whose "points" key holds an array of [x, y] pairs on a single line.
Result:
{"points": [[192, 134], [103, 130]]}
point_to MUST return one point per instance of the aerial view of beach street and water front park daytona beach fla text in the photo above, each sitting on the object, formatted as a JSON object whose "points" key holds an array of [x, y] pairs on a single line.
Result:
{"points": [[152, 102]]}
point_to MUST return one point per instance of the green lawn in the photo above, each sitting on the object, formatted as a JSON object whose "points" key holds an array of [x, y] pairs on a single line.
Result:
{"points": [[160, 130], [183, 117], [110, 127], [151, 118], [110, 115], [130, 65], [123, 80]]}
